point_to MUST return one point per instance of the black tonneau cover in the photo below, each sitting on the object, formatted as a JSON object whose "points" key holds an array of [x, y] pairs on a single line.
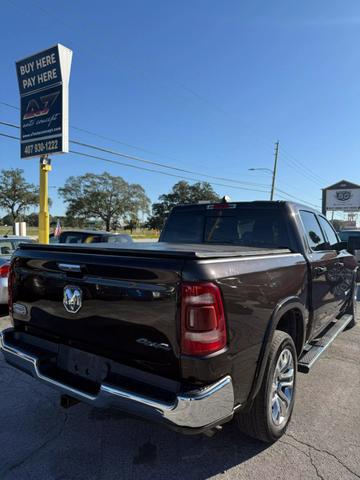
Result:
{"points": [[160, 249]]}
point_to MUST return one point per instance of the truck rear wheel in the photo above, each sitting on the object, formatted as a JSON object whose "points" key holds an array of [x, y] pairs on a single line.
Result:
{"points": [[272, 408]]}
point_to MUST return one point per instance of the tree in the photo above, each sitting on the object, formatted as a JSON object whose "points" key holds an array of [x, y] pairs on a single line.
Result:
{"points": [[132, 224], [6, 220], [16, 195], [182, 192], [106, 197], [32, 219]]}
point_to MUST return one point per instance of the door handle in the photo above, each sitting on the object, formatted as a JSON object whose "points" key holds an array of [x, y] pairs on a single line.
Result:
{"points": [[320, 270]]}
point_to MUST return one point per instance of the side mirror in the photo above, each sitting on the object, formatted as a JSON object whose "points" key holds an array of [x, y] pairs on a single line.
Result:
{"points": [[314, 237], [341, 246]]}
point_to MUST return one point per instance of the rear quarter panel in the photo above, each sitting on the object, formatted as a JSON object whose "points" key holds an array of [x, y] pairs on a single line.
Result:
{"points": [[252, 289]]}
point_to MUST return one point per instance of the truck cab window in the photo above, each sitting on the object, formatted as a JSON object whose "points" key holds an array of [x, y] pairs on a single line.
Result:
{"points": [[255, 227], [313, 231], [329, 232], [184, 228]]}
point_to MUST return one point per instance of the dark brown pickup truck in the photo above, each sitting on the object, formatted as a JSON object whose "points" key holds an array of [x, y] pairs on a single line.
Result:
{"points": [[211, 323]]}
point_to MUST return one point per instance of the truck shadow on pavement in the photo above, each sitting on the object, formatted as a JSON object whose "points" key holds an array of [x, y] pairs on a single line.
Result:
{"points": [[40, 440], [173, 455]]}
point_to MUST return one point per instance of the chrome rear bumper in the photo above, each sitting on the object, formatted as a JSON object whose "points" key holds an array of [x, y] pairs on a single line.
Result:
{"points": [[195, 409]]}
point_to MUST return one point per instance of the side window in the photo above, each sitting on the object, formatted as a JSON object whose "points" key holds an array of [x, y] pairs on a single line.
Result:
{"points": [[329, 231], [313, 231]]}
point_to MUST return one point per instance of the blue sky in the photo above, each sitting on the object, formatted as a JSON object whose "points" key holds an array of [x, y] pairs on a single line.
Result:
{"points": [[206, 86]]}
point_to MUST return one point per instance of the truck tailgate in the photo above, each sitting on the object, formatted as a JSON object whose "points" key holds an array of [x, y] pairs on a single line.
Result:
{"points": [[128, 307]]}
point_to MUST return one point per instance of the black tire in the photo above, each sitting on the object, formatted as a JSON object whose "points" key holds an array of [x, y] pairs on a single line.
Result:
{"points": [[258, 422]]}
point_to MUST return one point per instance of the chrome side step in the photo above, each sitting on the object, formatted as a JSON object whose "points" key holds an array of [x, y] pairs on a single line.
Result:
{"points": [[318, 346]]}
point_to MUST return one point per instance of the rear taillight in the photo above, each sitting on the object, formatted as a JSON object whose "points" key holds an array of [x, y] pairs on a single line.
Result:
{"points": [[4, 270], [203, 328]]}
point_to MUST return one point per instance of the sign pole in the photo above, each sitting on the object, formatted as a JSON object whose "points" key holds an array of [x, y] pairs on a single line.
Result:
{"points": [[44, 229]]}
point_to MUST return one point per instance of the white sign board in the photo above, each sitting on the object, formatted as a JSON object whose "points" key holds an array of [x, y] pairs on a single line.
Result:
{"points": [[343, 199]]}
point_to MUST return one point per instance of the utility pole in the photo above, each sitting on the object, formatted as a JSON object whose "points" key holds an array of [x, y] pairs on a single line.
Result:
{"points": [[274, 170]]}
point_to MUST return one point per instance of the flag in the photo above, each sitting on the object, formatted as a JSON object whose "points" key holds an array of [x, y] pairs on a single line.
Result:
{"points": [[57, 231]]}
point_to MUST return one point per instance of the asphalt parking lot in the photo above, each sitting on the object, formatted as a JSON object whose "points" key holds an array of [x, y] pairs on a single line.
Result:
{"points": [[39, 440]]}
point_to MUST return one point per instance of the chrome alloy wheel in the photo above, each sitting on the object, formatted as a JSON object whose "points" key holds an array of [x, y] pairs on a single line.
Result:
{"points": [[282, 390]]}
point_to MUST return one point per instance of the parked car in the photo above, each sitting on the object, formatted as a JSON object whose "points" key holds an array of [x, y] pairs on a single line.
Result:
{"points": [[352, 239], [91, 236], [345, 234], [7, 246], [209, 324]]}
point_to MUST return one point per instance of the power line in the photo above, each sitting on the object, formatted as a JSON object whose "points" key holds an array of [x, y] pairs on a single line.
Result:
{"points": [[295, 198], [172, 175], [162, 173], [301, 165], [116, 162], [9, 136], [137, 148], [8, 124], [98, 135], [301, 170], [159, 164], [9, 105], [150, 162], [109, 139], [139, 159]]}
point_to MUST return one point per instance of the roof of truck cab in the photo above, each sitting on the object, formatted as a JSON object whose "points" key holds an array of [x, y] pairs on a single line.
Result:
{"points": [[255, 204]]}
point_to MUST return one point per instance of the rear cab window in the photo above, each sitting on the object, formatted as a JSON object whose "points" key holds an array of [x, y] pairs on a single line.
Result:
{"points": [[258, 227]]}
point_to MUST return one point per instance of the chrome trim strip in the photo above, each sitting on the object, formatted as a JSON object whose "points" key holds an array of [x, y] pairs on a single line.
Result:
{"points": [[260, 257], [69, 267], [194, 409]]}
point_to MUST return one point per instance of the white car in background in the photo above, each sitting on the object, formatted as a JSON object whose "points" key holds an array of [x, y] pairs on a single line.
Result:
{"points": [[8, 244]]}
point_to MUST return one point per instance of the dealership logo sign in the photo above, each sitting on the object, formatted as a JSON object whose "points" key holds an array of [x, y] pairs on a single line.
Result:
{"points": [[343, 195], [38, 108], [44, 104]]}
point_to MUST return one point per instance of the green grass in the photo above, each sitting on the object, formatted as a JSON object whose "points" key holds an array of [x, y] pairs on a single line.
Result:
{"points": [[30, 231], [137, 235]]}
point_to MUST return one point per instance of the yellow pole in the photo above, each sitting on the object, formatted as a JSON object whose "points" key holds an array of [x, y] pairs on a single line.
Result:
{"points": [[45, 168]]}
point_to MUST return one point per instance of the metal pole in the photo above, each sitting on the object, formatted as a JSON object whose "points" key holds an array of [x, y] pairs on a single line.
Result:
{"points": [[274, 170], [45, 168]]}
